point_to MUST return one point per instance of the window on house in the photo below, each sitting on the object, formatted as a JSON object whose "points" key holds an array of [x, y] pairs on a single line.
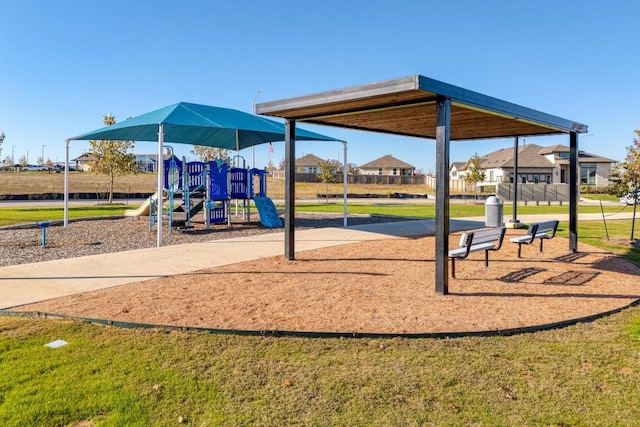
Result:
{"points": [[564, 155], [395, 171], [588, 174], [380, 171]]}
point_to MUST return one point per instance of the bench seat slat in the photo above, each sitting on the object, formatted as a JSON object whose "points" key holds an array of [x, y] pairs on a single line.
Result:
{"points": [[539, 230], [474, 248]]}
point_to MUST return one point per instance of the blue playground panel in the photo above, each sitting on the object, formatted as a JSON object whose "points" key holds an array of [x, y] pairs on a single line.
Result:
{"points": [[217, 212], [172, 173], [262, 175], [218, 181], [196, 175], [240, 183], [268, 213]]}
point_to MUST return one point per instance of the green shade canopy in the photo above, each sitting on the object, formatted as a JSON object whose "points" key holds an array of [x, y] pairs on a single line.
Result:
{"points": [[187, 123]]}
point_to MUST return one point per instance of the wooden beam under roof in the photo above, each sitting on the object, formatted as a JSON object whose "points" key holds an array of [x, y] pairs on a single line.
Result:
{"points": [[406, 107]]}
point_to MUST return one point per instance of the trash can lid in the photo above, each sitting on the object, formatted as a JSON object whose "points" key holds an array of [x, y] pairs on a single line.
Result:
{"points": [[493, 200]]}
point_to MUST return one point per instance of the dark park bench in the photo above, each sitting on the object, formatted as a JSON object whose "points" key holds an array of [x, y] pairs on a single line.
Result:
{"points": [[537, 230], [488, 239]]}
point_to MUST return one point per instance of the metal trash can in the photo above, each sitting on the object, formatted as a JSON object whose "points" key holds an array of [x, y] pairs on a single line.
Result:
{"points": [[493, 208]]}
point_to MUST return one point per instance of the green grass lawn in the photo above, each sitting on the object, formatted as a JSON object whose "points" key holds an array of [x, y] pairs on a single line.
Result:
{"points": [[583, 375], [456, 210], [12, 216]]}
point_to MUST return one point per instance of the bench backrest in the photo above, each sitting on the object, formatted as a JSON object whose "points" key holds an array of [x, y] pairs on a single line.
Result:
{"points": [[532, 230], [488, 235], [549, 227], [466, 239]]}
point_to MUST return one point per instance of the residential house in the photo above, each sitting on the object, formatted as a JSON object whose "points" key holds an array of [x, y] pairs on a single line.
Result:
{"points": [[457, 170], [309, 164], [83, 162], [538, 164], [387, 165]]}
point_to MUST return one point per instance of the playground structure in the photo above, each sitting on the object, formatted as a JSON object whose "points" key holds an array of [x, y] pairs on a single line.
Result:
{"points": [[191, 187]]}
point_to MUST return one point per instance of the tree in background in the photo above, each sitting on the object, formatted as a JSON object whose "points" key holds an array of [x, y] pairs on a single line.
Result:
{"points": [[353, 169], [7, 162], [270, 167], [208, 154], [631, 174], [617, 184], [23, 161], [475, 173], [112, 158], [2, 136], [328, 172]]}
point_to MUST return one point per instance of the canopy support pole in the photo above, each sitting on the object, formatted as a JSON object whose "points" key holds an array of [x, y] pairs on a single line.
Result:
{"points": [[160, 192], [289, 188], [573, 192], [443, 130], [344, 184], [514, 218], [66, 183]]}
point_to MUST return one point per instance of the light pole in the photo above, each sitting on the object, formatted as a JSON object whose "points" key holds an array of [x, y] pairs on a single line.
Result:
{"points": [[43, 154], [27, 157], [253, 149], [13, 159]]}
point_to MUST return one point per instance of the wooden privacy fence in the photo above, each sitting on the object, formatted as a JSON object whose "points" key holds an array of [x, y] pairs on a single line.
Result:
{"points": [[455, 185], [359, 179]]}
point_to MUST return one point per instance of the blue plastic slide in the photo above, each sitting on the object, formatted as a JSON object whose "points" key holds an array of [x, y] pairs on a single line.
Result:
{"points": [[268, 213]]}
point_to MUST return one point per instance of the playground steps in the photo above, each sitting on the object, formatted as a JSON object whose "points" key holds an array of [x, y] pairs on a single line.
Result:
{"points": [[180, 215]]}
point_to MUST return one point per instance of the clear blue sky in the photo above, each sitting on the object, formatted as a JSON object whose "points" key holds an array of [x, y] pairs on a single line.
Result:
{"points": [[64, 64]]}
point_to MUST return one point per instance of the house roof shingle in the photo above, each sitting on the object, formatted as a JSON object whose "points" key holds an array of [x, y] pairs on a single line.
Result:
{"points": [[531, 156], [583, 156], [528, 157], [309, 160], [387, 161], [458, 165]]}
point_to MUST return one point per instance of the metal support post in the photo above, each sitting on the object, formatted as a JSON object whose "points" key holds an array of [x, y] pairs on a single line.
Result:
{"points": [[290, 188], [573, 192], [443, 124]]}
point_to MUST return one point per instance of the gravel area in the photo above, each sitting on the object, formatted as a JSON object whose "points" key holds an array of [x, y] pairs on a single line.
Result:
{"points": [[91, 237]]}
